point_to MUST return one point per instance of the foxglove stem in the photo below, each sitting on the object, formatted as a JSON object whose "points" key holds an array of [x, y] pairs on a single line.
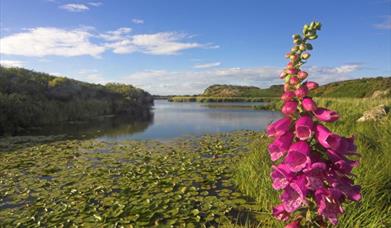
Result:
{"points": [[313, 161]]}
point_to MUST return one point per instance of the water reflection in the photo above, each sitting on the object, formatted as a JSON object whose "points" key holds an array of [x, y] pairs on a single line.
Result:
{"points": [[168, 120], [180, 119]]}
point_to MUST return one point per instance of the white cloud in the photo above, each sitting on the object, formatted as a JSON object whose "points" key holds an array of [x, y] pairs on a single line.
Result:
{"points": [[165, 82], [74, 7], [90, 75], [44, 41], [193, 82], [11, 63], [207, 65], [386, 24], [96, 4], [116, 35], [343, 69], [162, 43], [137, 21]]}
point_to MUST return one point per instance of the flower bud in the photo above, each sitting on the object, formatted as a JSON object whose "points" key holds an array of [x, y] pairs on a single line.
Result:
{"points": [[302, 47], [283, 74], [296, 36], [302, 75], [287, 55], [295, 48], [289, 107], [287, 96], [286, 87], [311, 85], [309, 46], [290, 65], [291, 71], [293, 81], [305, 55], [308, 104], [293, 58], [301, 92]]}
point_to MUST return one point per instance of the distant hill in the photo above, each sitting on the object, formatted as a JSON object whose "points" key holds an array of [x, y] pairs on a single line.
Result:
{"points": [[364, 87], [359, 88], [32, 99], [241, 91]]}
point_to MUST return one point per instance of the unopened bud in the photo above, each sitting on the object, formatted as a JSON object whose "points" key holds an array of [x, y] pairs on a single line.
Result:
{"points": [[302, 75], [291, 71], [302, 47], [305, 55], [294, 58], [313, 37], [294, 49], [290, 65], [283, 74], [311, 85], [296, 36], [293, 81]]}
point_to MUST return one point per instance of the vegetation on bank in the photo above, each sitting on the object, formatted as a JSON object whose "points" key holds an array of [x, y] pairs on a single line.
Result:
{"points": [[31, 99], [219, 99], [373, 174], [356, 88], [221, 180], [241, 91]]}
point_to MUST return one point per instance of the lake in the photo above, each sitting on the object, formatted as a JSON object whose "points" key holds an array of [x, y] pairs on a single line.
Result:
{"points": [[169, 120]]}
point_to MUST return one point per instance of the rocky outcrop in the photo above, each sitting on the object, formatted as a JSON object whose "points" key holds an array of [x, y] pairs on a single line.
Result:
{"points": [[374, 114], [381, 93]]}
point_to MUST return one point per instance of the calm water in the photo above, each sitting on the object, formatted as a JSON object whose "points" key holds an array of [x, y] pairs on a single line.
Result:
{"points": [[168, 120], [171, 119]]}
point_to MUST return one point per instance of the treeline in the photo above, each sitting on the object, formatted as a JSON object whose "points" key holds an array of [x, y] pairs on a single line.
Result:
{"points": [[31, 99]]}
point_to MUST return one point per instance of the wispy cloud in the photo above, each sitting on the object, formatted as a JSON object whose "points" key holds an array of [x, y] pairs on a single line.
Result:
{"points": [[96, 4], [207, 65], [137, 21], [116, 35], [44, 41], [386, 24], [194, 82], [75, 7], [162, 43], [11, 63]]}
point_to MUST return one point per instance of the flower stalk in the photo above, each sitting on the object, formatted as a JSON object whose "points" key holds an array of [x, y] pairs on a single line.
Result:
{"points": [[312, 166]]}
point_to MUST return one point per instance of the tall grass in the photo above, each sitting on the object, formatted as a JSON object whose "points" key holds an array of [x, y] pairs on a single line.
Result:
{"points": [[374, 173]]}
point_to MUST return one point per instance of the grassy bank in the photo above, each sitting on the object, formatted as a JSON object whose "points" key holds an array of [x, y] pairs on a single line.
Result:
{"points": [[373, 174], [220, 180], [30, 99], [219, 99]]}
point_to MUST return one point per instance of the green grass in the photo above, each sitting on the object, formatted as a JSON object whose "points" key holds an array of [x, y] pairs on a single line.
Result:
{"points": [[374, 173]]}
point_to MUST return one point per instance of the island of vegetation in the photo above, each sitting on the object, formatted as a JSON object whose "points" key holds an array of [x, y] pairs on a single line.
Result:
{"points": [[31, 99]]}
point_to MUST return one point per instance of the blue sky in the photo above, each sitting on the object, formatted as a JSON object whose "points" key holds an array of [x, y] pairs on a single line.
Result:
{"points": [[181, 47]]}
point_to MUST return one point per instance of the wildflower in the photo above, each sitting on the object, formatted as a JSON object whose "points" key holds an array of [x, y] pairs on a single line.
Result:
{"points": [[279, 127], [289, 107], [316, 166], [304, 127], [326, 115]]}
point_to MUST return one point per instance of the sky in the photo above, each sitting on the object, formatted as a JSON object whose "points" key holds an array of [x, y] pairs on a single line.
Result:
{"points": [[181, 47]]}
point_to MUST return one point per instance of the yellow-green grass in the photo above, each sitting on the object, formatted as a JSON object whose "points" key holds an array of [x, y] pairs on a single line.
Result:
{"points": [[374, 173]]}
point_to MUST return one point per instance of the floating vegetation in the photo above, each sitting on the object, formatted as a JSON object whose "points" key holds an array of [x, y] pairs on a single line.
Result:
{"points": [[139, 183]]}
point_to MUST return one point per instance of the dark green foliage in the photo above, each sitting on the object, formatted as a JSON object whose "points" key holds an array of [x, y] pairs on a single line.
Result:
{"points": [[31, 99], [358, 88]]}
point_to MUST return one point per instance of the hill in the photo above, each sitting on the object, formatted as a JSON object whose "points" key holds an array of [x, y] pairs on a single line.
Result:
{"points": [[241, 91], [358, 88], [32, 99]]}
